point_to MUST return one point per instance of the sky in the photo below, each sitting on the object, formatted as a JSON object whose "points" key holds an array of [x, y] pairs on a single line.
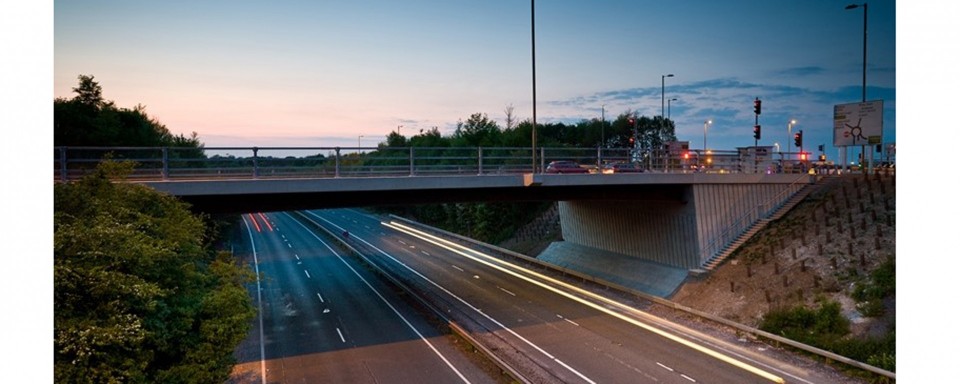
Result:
{"points": [[324, 73]]}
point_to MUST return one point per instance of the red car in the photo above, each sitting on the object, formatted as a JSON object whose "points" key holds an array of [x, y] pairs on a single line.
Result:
{"points": [[565, 166]]}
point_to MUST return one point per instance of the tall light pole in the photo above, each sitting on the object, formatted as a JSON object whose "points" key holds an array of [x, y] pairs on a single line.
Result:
{"points": [[662, 88], [668, 107], [533, 60], [358, 143], [790, 134], [705, 124], [855, 6], [398, 129], [864, 98], [603, 123]]}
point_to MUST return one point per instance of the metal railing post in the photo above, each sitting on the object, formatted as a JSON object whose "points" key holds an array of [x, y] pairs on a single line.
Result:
{"points": [[63, 164], [543, 160], [336, 163], [479, 160], [256, 167], [598, 156], [411, 161], [165, 170]]}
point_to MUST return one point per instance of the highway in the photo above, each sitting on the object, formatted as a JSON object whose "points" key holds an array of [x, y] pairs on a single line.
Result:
{"points": [[546, 330], [325, 318]]}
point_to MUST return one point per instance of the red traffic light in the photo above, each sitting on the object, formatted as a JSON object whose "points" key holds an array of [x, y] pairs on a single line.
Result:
{"points": [[798, 139]]}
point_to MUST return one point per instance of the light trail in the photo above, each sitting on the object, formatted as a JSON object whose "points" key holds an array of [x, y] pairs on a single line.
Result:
{"points": [[457, 249]]}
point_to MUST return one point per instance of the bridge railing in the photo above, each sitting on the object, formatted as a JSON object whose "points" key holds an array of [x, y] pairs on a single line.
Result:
{"points": [[174, 163]]}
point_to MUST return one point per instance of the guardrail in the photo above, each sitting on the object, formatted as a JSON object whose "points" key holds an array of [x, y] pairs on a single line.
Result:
{"points": [[179, 163]]}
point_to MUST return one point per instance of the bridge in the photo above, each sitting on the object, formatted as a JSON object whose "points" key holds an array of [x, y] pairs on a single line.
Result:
{"points": [[684, 210]]}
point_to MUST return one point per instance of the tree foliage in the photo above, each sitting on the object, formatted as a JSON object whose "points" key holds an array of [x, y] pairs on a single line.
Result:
{"points": [[139, 296], [89, 120]]}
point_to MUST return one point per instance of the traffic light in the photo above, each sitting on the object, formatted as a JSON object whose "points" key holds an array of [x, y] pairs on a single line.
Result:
{"points": [[803, 156], [798, 139], [633, 123], [631, 140], [756, 131], [820, 147], [756, 106]]}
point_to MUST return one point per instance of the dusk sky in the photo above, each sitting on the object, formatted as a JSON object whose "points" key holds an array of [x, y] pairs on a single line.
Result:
{"points": [[322, 73]]}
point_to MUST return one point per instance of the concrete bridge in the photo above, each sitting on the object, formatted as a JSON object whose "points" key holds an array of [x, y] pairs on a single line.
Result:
{"points": [[669, 215], [684, 220]]}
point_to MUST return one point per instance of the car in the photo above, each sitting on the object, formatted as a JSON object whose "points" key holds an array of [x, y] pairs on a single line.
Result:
{"points": [[565, 166], [611, 168]]}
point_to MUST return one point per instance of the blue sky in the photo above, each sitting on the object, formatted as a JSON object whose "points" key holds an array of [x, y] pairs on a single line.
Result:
{"points": [[322, 73]]}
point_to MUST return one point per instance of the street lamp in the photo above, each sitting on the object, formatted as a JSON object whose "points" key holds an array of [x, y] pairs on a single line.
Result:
{"points": [[789, 133], [662, 88], [855, 6], [775, 144], [398, 129], [668, 107], [705, 123], [603, 123], [358, 143]]}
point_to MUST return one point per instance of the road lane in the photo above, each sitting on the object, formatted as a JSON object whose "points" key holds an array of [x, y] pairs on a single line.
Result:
{"points": [[602, 347], [327, 320]]}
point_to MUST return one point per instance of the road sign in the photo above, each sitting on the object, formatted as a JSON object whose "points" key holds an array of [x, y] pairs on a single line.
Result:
{"points": [[858, 123]]}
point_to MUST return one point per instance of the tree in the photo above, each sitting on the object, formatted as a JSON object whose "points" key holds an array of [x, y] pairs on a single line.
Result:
{"points": [[90, 120], [477, 131], [138, 295]]}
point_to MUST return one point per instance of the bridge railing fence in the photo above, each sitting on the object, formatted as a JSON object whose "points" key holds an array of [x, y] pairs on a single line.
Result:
{"points": [[286, 162]]}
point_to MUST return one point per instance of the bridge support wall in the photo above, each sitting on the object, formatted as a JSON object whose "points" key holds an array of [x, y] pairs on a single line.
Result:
{"points": [[683, 233]]}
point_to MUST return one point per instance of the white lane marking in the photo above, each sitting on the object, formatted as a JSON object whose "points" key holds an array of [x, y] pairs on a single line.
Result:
{"points": [[401, 242], [366, 226], [425, 252], [567, 320], [289, 246], [308, 273], [528, 276], [319, 297], [687, 377], [508, 292], [341, 335], [387, 303], [283, 237], [665, 367], [464, 302], [297, 256], [457, 268], [256, 267]]}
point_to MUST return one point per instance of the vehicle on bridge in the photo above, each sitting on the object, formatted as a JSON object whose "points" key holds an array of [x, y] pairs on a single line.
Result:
{"points": [[620, 167], [565, 166]]}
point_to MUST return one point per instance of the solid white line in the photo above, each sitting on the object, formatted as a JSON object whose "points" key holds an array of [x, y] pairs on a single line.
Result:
{"points": [[320, 297], [664, 366], [308, 273], [687, 377], [341, 335], [508, 292], [256, 267], [384, 299]]}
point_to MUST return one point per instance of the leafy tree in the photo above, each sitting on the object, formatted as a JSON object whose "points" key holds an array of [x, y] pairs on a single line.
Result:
{"points": [[138, 295], [477, 131], [89, 120]]}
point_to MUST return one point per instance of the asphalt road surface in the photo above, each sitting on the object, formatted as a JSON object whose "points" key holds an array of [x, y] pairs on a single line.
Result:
{"points": [[326, 319], [549, 331]]}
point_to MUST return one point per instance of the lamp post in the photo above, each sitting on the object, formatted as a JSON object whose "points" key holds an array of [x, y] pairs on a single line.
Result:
{"points": [[775, 144], [864, 98], [668, 107], [705, 124], [358, 143], [533, 62], [603, 123], [790, 134], [662, 88]]}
